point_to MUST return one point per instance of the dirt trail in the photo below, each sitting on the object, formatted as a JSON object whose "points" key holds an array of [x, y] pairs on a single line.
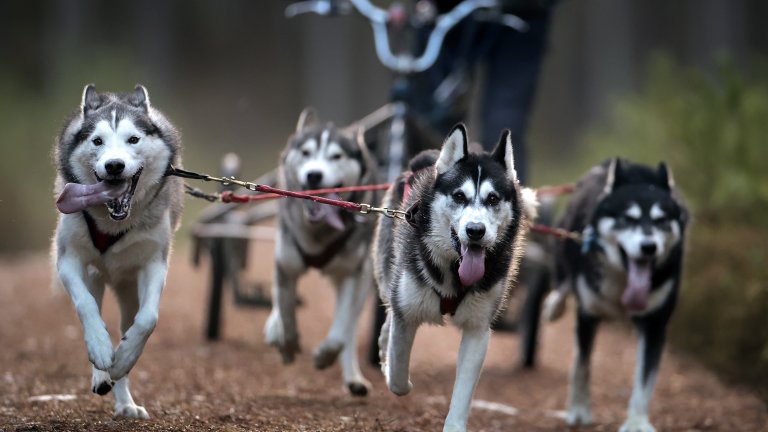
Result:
{"points": [[240, 384]]}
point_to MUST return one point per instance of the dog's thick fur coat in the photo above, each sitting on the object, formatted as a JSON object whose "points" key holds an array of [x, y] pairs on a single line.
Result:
{"points": [[121, 141], [335, 242], [633, 222], [457, 255]]}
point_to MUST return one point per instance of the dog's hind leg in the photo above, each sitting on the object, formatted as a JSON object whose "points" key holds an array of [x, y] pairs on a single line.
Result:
{"points": [[150, 283], [128, 300], [472, 350], [281, 329], [649, 349], [124, 404], [578, 412], [384, 341]]}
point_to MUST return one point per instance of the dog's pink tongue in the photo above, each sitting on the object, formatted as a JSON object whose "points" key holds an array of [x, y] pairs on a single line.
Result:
{"points": [[77, 197], [635, 297], [330, 214], [472, 266]]}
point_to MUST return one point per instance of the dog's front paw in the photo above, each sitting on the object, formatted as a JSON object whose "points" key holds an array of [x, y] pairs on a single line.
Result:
{"points": [[131, 411], [359, 387], [578, 415], [101, 383], [275, 335], [126, 356], [325, 355], [99, 346], [400, 388], [637, 424]]}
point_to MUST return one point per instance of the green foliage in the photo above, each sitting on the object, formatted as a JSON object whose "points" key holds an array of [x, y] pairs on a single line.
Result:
{"points": [[712, 130]]}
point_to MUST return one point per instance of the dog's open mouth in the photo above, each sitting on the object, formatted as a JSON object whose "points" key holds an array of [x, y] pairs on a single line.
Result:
{"points": [[639, 277], [319, 213], [120, 206], [472, 260]]}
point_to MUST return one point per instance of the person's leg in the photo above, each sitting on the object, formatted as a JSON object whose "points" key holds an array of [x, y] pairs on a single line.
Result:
{"points": [[449, 106], [512, 66]]}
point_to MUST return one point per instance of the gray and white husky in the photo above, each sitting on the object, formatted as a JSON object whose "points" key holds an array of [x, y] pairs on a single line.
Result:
{"points": [[119, 213], [335, 242], [633, 223], [458, 254]]}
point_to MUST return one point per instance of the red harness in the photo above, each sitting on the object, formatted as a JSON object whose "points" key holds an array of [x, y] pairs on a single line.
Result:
{"points": [[101, 240]]}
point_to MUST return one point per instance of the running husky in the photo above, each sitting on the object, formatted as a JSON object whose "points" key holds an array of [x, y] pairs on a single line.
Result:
{"points": [[324, 237], [458, 254], [119, 212], [633, 223]]}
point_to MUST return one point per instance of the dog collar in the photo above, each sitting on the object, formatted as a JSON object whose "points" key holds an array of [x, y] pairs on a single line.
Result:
{"points": [[101, 240]]}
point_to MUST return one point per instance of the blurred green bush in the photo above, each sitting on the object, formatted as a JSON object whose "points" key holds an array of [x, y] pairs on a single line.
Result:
{"points": [[712, 130]]}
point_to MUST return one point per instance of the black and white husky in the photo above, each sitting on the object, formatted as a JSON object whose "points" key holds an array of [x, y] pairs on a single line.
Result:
{"points": [[633, 223], [119, 213], [336, 242], [457, 254]]}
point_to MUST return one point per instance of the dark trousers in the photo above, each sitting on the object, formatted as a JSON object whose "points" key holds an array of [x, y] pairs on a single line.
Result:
{"points": [[510, 62]]}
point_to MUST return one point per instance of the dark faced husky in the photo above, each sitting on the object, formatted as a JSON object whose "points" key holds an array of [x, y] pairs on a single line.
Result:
{"points": [[333, 241], [119, 212], [457, 254], [633, 223]]}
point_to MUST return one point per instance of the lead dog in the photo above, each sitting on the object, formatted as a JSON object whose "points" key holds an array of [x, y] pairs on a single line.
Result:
{"points": [[457, 255], [119, 213], [633, 223], [312, 235]]}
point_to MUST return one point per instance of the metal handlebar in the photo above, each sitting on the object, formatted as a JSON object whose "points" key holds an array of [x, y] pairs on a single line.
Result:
{"points": [[379, 18]]}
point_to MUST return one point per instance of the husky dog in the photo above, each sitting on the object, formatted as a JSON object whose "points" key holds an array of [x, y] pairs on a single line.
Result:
{"points": [[119, 212], [633, 223], [315, 235], [458, 254]]}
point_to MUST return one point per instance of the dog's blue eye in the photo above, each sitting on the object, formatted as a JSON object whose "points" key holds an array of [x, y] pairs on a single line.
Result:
{"points": [[459, 197], [97, 141], [133, 140]]}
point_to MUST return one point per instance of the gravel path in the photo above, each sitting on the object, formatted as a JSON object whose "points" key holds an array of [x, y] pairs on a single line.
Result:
{"points": [[239, 383]]}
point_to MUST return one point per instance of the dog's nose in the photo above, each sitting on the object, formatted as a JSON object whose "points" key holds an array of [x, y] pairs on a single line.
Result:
{"points": [[475, 230], [314, 178], [114, 166], [648, 248]]}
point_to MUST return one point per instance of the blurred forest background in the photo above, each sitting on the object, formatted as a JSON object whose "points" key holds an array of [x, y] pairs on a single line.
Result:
{"points": [[681, 81]]}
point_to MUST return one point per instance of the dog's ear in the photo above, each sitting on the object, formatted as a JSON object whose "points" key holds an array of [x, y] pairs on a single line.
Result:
{"points": [[91, 100], [615, 175], [307, 118], [504, 155], [666, 180], [139, 98], [454, 149]]}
